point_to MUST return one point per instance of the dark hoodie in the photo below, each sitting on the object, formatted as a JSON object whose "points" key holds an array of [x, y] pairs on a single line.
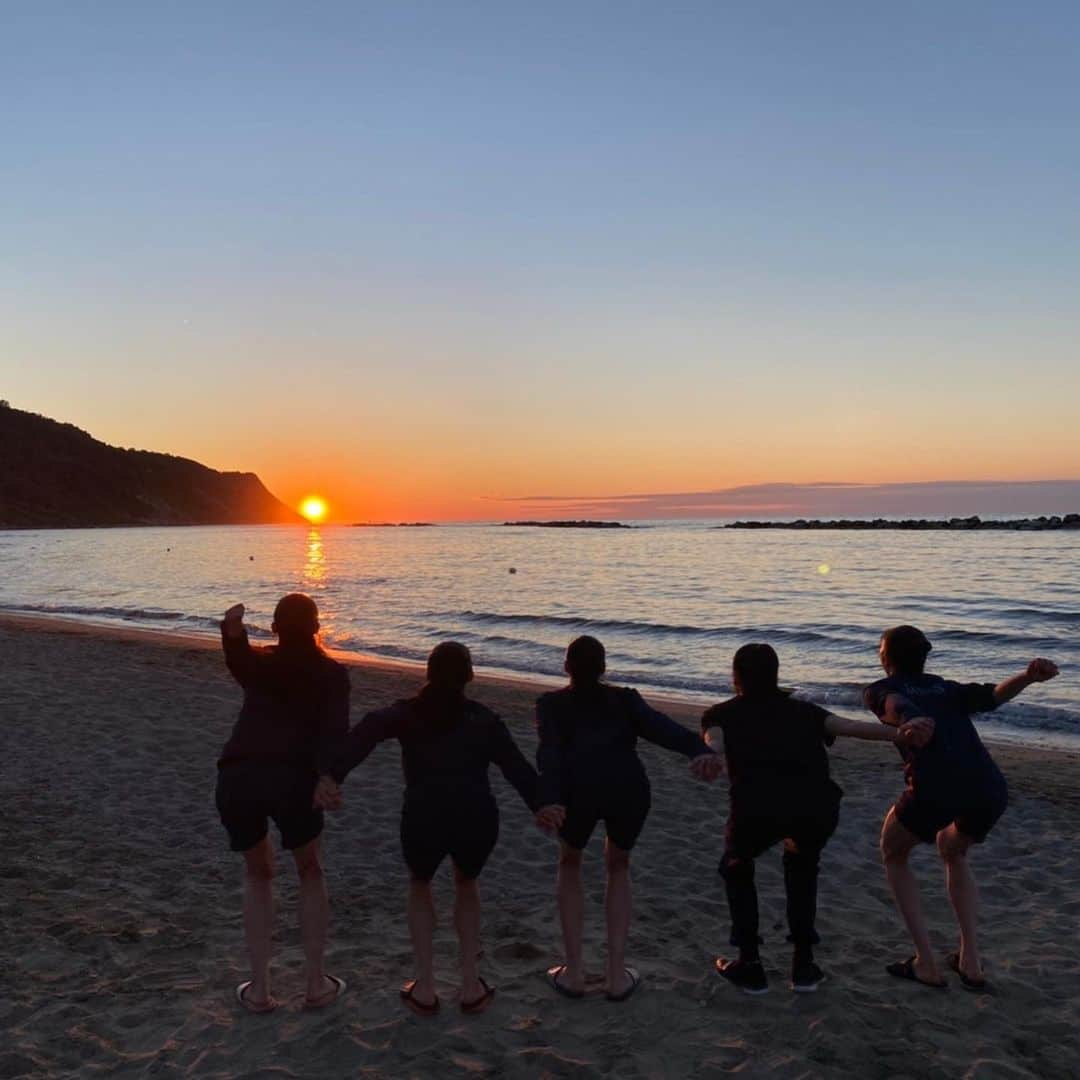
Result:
{"points": [[447, 743], [296, 704], [588, 735]]}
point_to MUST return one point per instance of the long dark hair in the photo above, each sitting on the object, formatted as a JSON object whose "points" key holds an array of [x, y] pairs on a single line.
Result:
{"points": [[441, 701]]}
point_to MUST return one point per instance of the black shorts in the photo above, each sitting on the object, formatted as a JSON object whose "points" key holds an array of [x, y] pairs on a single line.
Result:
{"points": [[251, 792], [467, 831], [621, 803], [926, 813]]}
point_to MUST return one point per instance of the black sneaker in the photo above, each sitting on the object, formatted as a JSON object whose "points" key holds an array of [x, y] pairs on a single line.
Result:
{"points": [[806, 976], [748, 976]]}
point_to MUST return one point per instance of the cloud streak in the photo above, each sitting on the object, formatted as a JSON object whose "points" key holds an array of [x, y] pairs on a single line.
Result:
{"points": [[953, 498]]}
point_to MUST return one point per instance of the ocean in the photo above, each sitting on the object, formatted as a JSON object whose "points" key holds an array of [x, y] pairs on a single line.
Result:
{"points": [[670, 600]]}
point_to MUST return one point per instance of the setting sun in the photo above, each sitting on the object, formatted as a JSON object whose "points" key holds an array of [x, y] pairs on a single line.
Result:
{"points": [[314, 509]]}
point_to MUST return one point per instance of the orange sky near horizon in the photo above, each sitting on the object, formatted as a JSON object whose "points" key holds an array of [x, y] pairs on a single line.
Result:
{"points": [[465, 471]]}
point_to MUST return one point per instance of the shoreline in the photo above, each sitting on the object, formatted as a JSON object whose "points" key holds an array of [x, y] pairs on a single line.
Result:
{"points": [[685, 709]]}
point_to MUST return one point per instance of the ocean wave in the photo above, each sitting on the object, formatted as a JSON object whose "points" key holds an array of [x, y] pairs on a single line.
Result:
{"points": [[634, 626]]}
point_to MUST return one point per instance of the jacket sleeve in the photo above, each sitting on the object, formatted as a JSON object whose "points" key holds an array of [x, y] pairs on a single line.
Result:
{"points": [[333, 722], [507, 755], [376, 727], [549, 755], [657, 727], [976, 697], [240, 658]]}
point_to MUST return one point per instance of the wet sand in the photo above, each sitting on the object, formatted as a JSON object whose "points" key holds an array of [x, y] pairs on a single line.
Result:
{"points": [[120, 932]]}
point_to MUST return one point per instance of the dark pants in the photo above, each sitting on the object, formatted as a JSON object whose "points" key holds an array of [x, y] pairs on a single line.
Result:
{"points": [[748, 836]]}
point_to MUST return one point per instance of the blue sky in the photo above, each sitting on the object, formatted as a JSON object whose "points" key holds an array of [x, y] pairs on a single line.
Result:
{"points": [[474, 244]]}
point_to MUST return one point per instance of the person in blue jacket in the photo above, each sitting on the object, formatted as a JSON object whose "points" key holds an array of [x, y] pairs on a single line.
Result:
{"points": [[589, 766], [955, 792]]}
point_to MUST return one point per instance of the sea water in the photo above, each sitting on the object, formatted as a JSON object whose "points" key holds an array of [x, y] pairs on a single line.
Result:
{"points": [[671, 601]]}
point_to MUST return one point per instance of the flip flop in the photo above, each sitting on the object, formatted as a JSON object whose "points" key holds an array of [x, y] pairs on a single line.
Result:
{"points": [[418, 1007], [905, 969], [635, 982], [329, 997], [478, 1005], [257, 1007], [976, 986], [553, 979]]}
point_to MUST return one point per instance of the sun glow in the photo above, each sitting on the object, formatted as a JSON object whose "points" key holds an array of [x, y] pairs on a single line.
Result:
{"points": [[314, 508]]}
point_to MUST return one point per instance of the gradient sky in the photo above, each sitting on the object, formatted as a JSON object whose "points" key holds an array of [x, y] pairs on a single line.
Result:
{"points": [[429, 257]]}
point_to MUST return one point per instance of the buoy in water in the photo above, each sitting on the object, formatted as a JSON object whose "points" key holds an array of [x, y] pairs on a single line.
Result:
{"points": [[513, 569]]}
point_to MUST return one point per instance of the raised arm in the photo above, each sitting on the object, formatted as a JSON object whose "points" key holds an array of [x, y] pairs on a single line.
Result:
{"points": [[519, 773], [1039, 670], [239, 655]]}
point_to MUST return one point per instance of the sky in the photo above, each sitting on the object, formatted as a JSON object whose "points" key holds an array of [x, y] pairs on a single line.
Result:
{"points": [[442, 260]]}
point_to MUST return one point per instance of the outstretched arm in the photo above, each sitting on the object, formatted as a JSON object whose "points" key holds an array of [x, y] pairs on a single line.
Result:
{"points": [[657, 727], [1039, 670], [376, 727], [846, 728]]}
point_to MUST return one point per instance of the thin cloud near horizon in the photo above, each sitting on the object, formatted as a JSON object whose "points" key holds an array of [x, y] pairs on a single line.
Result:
{"points": [[952, 498]]}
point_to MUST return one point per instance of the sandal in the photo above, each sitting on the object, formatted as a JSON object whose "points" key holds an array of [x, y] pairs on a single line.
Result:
{"points": [[419, 1007], [257, 1007], [329, 997], [478, 1005], [635, 982], [905, 969], [976, 986], [553, 979]]}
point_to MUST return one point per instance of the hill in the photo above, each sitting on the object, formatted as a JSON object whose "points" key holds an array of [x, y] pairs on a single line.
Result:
{"points": [[55, 475]]}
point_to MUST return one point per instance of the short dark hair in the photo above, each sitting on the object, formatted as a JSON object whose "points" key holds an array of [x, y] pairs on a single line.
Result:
{"points": [[449, 667], [586, 660], [906, 649], [296, 617], [756, 668]]}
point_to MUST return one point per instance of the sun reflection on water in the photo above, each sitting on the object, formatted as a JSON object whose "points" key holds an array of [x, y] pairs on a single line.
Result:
{"points": [[315, 563]]}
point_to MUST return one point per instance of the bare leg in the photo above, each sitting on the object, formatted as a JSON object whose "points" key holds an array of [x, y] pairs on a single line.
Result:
{"points": [[422, 931], [259, 916], [314, 911], [571, 896], [618, 906], [467, 922], [897, 844], [953, 846]]}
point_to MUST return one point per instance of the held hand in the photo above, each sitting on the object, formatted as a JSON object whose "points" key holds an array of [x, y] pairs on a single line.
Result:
{"points": [[916, 733], [551, 818], [327, 794], [707, 767], [1040, 670]]}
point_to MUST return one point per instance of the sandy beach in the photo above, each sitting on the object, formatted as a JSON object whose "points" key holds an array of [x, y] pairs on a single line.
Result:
{"points": [[120, 930]]}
